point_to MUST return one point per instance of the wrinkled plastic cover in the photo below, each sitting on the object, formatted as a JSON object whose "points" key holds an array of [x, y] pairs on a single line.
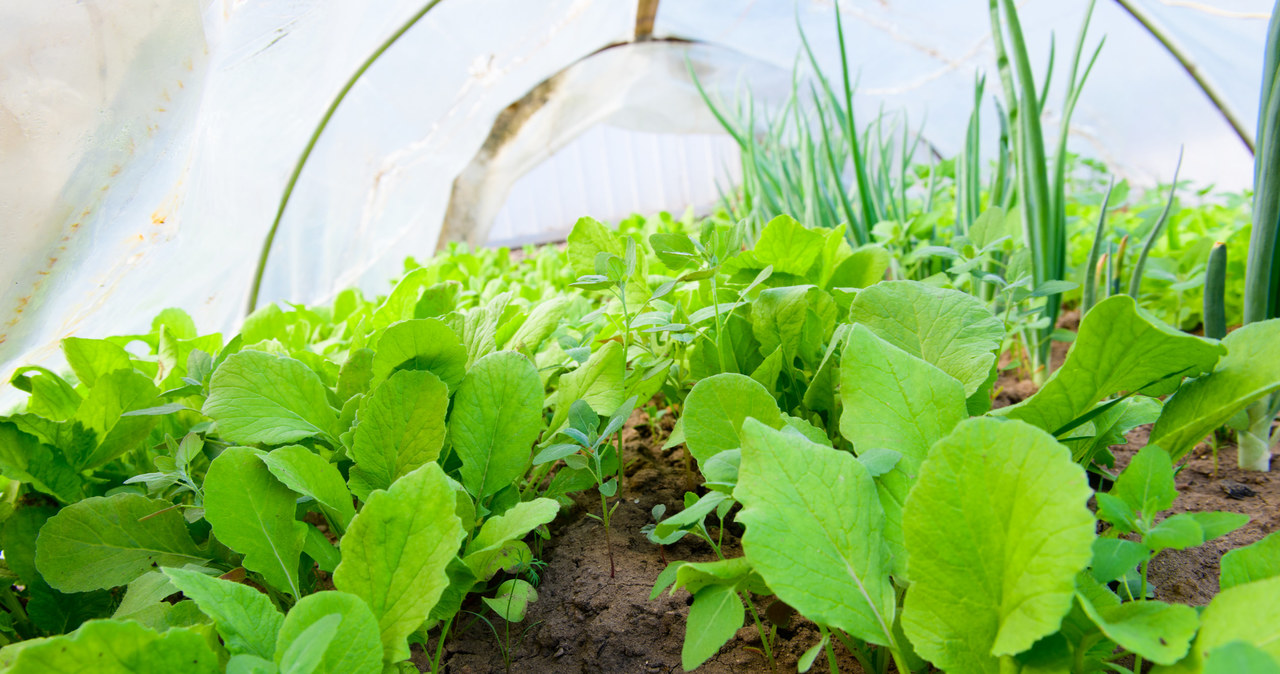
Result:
{"points": [[144, 144]]}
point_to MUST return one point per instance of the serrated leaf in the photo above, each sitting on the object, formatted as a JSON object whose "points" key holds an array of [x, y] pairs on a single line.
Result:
{"points": [[256, 397], [892, 399], [395, 554], [792, 490], [716, 408], [111, 647], [1119, 348], [253, 513], [356, 651], [402, 427], [421, 344], [1008, 505], [1249, 371], [246, 619], [948, 329], [305, 472], [103, 542], [497, 415]]}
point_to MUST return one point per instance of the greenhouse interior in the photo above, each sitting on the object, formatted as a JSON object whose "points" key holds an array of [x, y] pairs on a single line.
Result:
{"points": [[857, 336]]}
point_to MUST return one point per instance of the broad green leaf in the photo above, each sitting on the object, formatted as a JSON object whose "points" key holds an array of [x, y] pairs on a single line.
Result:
{"points": [[783, 318], [1249, 371], [143, 599], [303, 656], [113, 394], [497, 415], [598, 382], [356, 374], [20, 532], [92, 358], [1119, 348], [24, 458], [588, 238], [421, 344], [1248, 613], [949, 329], [990, 226], [716, 408], [253, 513], [1188, 530], [1109, 427], [402, 301], [793, 490], [246, 619], [256, 397], [356, 651], [542, 321], [893, 400], [1114, 557], [111, 647], [691, 516], [1258, 561], [863, 269], [1237, 656], [305, 472], [1146, 484], [461, 582], [715, 616], [1007, 504], [789, 246], [395, 554], [511, 600], [318, 548], [477, 328], [55, 612], [515, 523], [402, 426], [51, 396], [250, 664], [103, 542], [438, 300], [735, 571], [1157, 631]]}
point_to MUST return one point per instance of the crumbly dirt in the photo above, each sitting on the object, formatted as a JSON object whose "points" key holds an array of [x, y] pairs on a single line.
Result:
{"points": [[1191, 576], [586, 621]]}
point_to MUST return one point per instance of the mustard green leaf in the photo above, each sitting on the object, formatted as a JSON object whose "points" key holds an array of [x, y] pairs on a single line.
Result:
{"points": [[515, 523], [112, 647], [305, 472], [245, 618], [497, 415], [92, 358], [401, 427], [421, 344], [715, 616], [1119, 348], [253, 513], [357, 650], [813, 533], [395, 554], [598, 382], [1007, 504], [1248, 613], [716, 408], [789, 246], [113, 394], [542, 321], [257, 397], [1258, 561], [107, 541], [863, 269], [24, 458], [1146, 484], [1237, 656], [952, 330], [1157, 631], [896, 401], [1249, 371]]}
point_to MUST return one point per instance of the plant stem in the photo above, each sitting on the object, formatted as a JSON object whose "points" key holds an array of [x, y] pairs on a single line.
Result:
{"points": [[764, 638], [608, 544], [444, 632]]}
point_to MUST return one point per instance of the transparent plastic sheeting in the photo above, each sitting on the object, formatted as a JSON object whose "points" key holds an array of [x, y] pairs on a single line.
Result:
{"points": [[144, 144]]}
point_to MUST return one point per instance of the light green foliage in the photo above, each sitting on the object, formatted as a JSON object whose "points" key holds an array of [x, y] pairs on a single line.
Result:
{"points": [[110, 647], [1008, 505], [395, 554], [1249, 371], [717, 407], [1157, 631], [597, 381], [103, 542], [305, 472], [895, 401], [1248, 613], [1110, 427], [1119, 348], [253, 513], [497, 415], [23, 457], [401, 427], [862, 269], [113, 394], [422, 344], [246, 619], [789, 246], [511, 600], [92, 358], [715, 616], [793, 490], [794, 320], [355, 649], [1258, 561], [946, 328], [256, 397]]}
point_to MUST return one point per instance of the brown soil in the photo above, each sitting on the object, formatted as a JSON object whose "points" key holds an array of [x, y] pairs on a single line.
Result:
{"points": [[585, 621], [1191, 576]]}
